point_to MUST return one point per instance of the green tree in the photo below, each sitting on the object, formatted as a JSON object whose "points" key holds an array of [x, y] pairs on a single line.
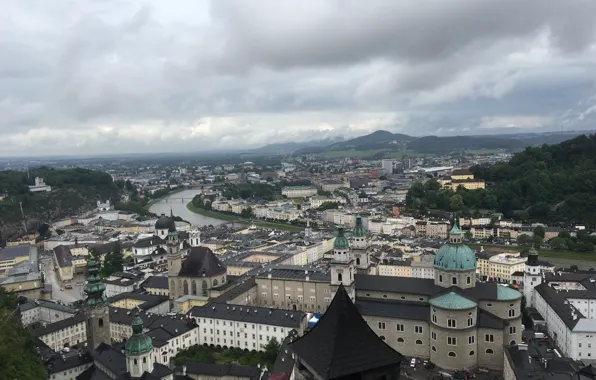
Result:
{"points": [[456, 202], [247, 213], [557, 243], [271, 351], [524, 242], [539, 231], [18, 356]]}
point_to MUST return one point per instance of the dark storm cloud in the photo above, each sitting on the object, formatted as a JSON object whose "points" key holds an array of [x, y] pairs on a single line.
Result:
{"points": [[93, 76]]}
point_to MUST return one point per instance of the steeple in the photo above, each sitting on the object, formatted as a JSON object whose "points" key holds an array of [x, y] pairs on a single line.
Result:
{"points": [[456, 235], [532, 257], [172, 222], [359, 230], [340, 241], [94, 287], [96, 308]]}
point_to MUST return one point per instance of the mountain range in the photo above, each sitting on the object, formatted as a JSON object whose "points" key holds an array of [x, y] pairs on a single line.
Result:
{"points": [[384, 140]]}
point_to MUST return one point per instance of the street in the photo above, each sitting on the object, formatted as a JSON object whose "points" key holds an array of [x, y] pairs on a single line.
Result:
{"points": [[65, 295]]}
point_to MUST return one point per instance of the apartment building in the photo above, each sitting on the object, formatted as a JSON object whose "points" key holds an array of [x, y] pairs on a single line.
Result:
{"points": [[245, 327], [299, 191], [499, 266], [63, 333], [41, 311], [396, 268], [10, 256], [423, 266]]}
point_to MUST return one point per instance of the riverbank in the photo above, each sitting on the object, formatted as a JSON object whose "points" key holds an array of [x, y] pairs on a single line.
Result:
{"points": [[565, 255], [179, 189], [237, 219]]}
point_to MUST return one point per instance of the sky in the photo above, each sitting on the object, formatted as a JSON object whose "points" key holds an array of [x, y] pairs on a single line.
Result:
{"points": [[132, 76]]}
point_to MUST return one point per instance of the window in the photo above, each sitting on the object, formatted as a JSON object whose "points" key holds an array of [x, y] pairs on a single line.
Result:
{"points": [[418, 329], [452, 341], [434, 349], [471, 339], [339, 277], [470, 321], [472, 353], [144, 360], [451, 323], [452, 354], [511, 329], [135, 362], [434, 318], [468, 280], [454, 280], [400, 340], [400, 327], [100, 322], [418, 341], [382, 337], [489, 351], [440, 278], [381, 325], [489, 304], [512, 313], [512, 343], [434, 335], [489, 338]]}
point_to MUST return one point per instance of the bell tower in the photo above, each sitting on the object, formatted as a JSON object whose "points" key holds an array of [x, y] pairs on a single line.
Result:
{"points": [[360, 247], [342, 265], [174, 257], [96, 308], [532, 276], [138, 350]]}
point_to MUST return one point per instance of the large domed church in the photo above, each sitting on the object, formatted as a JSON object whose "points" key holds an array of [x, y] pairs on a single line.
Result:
{"points": [[453, 320]]}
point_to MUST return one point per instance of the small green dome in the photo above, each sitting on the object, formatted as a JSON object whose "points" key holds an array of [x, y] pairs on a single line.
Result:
{"points": [[452, 301], [505, 293], [341, 242], [138, 343], [359, 230]]}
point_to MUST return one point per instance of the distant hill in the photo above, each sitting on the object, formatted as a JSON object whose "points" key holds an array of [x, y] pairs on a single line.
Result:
{"points": [[385, 140], [290, 147]]}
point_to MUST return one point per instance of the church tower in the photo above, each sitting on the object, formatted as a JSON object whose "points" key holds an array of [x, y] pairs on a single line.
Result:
{"points": [[194, 237], [96, 308], [138, 350], [342, 265], [174, 257], [532, 276], [360, 247]]}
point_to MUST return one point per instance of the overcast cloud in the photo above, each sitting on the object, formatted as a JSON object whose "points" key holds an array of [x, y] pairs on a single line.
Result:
{"points": [[116, 76]]}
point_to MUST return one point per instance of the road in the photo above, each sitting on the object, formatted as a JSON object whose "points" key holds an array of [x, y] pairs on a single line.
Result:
{"points": [[66, 295]]}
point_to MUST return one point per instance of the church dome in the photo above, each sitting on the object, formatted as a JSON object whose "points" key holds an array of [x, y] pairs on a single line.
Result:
{"points": [[163, 223], [341, 242], [454, 255], [138, 343]]}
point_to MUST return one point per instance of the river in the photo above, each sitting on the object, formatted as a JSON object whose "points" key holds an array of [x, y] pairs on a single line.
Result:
{"points": [[177, 203]]}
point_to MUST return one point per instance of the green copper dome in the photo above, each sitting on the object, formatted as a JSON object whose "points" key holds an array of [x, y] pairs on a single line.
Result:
{"points": [[452, 301], [505, 293], [341, 242], [138, 343], [454, 255], [359, 230], [94, 288]]}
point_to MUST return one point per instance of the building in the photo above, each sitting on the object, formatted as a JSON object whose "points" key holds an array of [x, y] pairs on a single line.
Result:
{"points": [[423, 266], [299, 191], [206, 371], [565, 301], [63, 333], [199, 272], [12, 255], [387, 166], [398, 268], [40, 186], [44, 312], [499, 267], [245, 327], [342, 346], [141, 301], [463, 178]]}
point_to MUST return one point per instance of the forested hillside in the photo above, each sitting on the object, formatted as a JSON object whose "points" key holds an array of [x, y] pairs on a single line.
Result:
{"points": [[73, 191], [551, 183]]}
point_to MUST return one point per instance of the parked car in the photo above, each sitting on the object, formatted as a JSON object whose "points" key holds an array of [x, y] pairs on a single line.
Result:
{"points": [[413, 363]]}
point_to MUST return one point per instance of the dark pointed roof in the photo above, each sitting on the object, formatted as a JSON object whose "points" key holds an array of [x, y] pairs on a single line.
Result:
{"points": [[172, 227], [342, 343], [201, 261]]}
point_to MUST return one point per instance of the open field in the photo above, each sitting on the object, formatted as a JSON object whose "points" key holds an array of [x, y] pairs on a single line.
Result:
{"points": [[237, 219], [583, 260]]}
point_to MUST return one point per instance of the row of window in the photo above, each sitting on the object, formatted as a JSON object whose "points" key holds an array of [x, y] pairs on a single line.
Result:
{"points": [[454, 280], [472, 352]]}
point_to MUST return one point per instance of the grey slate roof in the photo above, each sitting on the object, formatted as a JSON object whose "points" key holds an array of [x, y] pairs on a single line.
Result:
{"points": [[151, 241], [201, 261], [58, 364], [149, 299], [57, 326], [220, 370], [418, 311], [557, 302], [155, 282], [261, 315], [9, 253], [392, 284], [342, 344], [63, 256]]}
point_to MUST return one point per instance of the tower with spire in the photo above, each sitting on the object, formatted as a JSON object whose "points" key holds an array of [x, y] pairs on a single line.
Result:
{"points": [[532, 276], [96, 308], [174, 256], [342, 265], [138, 350], [360, 247]]}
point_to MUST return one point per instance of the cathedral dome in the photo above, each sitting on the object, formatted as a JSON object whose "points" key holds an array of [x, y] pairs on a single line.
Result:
{"points": [[454, 255], [163, 223], [341, 242], [138, 343]]}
